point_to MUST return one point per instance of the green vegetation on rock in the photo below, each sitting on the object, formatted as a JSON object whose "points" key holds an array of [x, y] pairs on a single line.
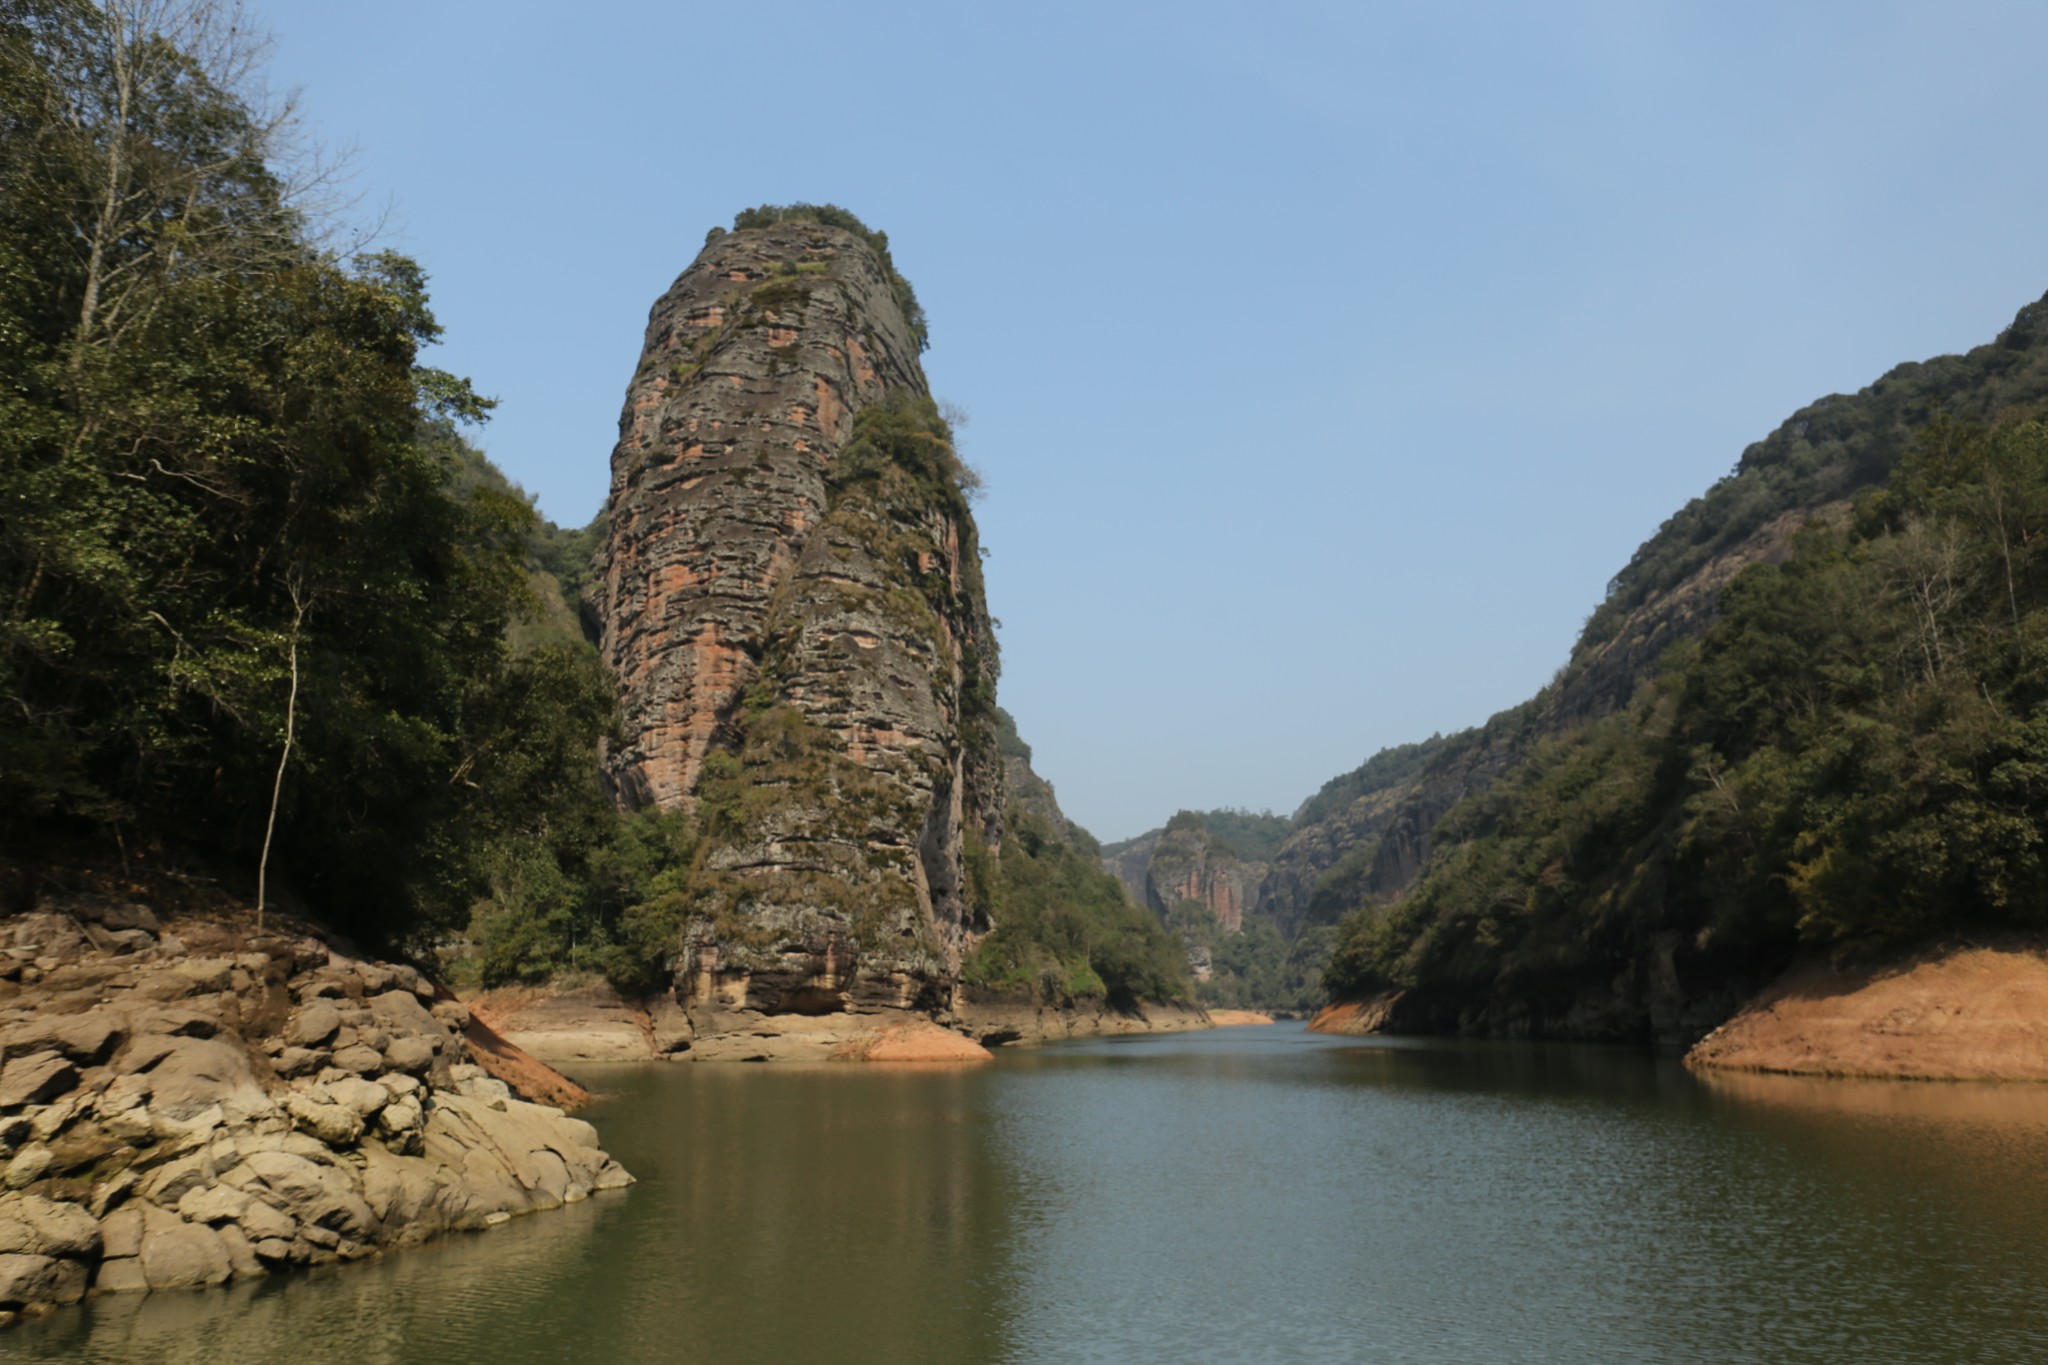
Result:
{"points": [[1828, 450], [831, 215], [1064, 928], [1388, 768]]}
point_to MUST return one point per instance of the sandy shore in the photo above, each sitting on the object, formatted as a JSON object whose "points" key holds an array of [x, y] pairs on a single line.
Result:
{"points": [[1238, 1018]]}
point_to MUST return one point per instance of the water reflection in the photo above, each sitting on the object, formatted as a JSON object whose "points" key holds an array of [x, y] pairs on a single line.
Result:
{"points": [[833, 1215], [429, 1299], [1253, 1194]]}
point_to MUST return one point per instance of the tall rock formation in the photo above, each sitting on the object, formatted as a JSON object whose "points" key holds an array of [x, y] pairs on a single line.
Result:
{"points": [[790, 596]]}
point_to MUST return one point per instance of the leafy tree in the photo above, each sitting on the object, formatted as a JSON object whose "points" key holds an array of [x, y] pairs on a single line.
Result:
{"points": [[237, 505]]}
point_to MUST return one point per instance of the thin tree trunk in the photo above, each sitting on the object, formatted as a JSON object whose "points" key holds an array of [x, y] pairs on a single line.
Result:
{"points": [[104, 228], [291, 712]]}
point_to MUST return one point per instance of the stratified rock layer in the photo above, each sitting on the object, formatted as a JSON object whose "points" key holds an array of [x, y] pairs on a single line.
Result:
{"points": [[755, 362], [791, 598]]}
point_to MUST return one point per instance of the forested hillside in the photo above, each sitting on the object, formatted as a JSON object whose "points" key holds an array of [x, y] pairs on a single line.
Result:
{"points": [[256, 601], [1805, 715]]}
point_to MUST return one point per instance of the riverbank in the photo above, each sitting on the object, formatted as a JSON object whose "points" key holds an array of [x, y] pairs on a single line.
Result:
{"points": [[1955, 1011], [588, 1021], [1948, 1012], [1357, 1018], [188, 1099]]}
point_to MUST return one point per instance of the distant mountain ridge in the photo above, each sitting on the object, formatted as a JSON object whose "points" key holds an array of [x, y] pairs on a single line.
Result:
{"points": [[1366, 837], [1812, 466]]}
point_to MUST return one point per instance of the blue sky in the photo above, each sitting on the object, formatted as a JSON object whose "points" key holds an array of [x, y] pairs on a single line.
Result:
{"points": [[1324, 360]]}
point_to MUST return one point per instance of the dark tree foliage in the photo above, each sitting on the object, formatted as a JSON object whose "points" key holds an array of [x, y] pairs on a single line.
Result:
{"points": [[1831, 449], [222, 464], [1064, 929], [1854, 756], [1389, 767]]}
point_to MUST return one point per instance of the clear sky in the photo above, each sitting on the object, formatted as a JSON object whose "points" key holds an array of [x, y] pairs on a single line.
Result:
{"points": [[1324, 359]]}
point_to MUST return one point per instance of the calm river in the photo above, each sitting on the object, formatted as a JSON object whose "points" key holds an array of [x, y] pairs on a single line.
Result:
{"points": [[1244, 1195]]}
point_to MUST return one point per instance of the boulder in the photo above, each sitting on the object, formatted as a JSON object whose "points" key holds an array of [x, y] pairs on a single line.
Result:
{"points": [[401, 1115], [180, 1255], [44, 1227], [187, 1075], [298, 1061], [88, 1038], [121, 1232], [122, 1276], [334, 1124], [669, 1027], [360, 1059], [241, 1252], [29, 1165], [315, 1023], [315, 1195], [26, 1279], [400, 1012], [353, 1092], [412, 1054], [214, 1204], [36, 1078]]}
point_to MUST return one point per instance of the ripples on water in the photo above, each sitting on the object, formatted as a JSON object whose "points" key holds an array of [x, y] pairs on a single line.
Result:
{"points": [[1246, 1195]]}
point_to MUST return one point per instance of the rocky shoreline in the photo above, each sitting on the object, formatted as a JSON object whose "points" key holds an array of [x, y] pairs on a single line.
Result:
{"points": [[189, 1101], [590, 1022]]}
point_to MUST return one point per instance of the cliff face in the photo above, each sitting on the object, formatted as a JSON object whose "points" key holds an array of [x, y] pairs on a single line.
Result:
{"points": [[1183, 863], [755, 363], [790, 596]]}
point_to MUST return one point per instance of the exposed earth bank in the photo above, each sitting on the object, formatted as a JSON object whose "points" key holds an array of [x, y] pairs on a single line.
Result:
{"points": [[1975, 1011], [591, 1022], [1953, 1011], [188, 1100]]}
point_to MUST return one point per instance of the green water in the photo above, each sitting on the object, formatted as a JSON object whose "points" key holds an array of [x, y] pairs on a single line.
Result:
{"points": [[1243, 1195]]}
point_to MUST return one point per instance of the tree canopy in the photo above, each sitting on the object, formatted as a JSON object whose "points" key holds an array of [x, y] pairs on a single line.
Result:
{"points": [[1855, 757], [236, 503]]}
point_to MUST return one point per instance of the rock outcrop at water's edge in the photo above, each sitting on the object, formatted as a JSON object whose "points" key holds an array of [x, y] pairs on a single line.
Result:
{"points": [[191, 1101], [790, 596], [996, 1018]]}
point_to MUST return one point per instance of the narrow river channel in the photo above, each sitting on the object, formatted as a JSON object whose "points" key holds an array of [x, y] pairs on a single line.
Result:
{"points": [[1253, 1194]]}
